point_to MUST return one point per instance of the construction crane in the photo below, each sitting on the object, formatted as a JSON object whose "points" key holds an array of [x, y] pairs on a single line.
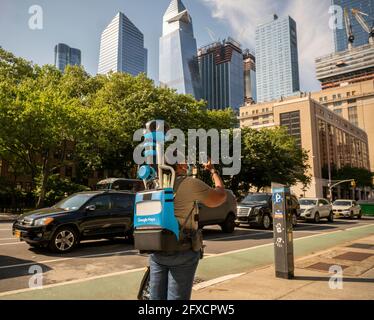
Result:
{"points": [[212, 35], [348, 29], [360, 19]]}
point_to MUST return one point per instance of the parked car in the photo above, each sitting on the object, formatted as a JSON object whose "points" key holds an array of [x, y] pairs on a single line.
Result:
{"points": [[223, 215], [347, 209], [256, 209], [316, 209], [121, 184], [85, 215]]}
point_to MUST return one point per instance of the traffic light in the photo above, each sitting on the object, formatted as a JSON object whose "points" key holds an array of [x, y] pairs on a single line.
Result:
{"points": [[353, 184]]}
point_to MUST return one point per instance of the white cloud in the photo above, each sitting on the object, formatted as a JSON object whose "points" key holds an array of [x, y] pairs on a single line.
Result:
{"points": [[315, 38]]}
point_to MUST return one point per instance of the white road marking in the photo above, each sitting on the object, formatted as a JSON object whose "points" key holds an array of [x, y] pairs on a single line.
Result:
{"points": [[11, 243], [8, 238], [5, 229], [66, 259], [234, 237], [2, 294], [271, 243], [212, 282]]}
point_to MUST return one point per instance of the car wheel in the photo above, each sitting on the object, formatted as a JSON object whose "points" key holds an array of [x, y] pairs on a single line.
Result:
{"points": [[229, 225], [359, 215], [64, 240], [331, 217], [317, 218], [294, 220], [266, 222]]}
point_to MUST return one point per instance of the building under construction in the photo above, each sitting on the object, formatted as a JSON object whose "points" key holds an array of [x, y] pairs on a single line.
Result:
{"points": [[346, 67], [353, 65]]}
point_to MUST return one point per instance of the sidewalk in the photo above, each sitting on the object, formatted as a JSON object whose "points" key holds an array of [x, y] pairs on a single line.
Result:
{"points": [[311, 280]]}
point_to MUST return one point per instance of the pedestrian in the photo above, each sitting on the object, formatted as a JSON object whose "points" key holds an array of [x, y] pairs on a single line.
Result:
{"points": [[172, 273]]}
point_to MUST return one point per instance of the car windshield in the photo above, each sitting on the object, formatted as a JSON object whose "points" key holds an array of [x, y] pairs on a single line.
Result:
{"points": [[308, 202], [73, 202], [342, 203], [260, 198]]}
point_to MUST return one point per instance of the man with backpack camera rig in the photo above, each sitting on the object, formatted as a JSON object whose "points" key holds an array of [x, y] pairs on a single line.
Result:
{"points": [[172, 273]]}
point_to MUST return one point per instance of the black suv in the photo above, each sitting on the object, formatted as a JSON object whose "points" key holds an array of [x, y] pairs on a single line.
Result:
{"points": [[82, 216], [256, 209]]}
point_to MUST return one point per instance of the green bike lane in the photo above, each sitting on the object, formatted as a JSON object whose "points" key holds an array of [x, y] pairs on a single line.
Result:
{"points": [[124, 286]]}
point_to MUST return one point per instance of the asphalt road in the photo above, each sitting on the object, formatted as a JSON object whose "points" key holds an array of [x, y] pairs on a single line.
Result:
{"points": [[99, 258]]}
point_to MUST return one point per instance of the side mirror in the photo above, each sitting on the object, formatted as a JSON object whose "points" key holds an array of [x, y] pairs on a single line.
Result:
{"points": [[91, 208], [321, 204]]}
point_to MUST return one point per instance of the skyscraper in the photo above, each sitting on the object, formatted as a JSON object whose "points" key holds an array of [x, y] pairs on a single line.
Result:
{"points": [[249, 77], [277, 66], [178, 52], [122, 48], [64, 55], [361, 36], [222, 75]]}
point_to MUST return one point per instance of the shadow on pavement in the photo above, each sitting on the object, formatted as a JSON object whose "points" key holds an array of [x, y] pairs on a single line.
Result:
{"points": [[326, 279], [19, 271], [99, 247]]}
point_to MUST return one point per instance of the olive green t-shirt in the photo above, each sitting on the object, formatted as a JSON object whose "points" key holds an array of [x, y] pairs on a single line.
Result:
{"points": [[188, 190]]}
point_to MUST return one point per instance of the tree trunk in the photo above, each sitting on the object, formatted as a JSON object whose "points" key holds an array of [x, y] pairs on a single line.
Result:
{"points": [[43, 187]]}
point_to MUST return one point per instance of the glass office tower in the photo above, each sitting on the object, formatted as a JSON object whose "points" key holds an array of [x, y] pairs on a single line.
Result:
{"points": [[122, 48], [64, 55], [277, 66], [178, 52], [361, 36], [222, 74]]}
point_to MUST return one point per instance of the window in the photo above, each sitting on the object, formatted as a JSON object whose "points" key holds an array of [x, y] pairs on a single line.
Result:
{"points": [[100, 202], [352, 115], [338, 103], [338, 111], [122, 201]]}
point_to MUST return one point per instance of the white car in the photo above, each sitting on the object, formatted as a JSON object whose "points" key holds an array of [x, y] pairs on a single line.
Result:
{"points": [[346, 208], [316, 209]]}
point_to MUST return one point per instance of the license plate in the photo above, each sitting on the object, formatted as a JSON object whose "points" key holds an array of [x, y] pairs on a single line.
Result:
{"points": [[17, 234]]}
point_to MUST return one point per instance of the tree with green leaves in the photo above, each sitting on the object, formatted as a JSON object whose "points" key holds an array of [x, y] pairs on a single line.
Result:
{"points": [[269, 155]]}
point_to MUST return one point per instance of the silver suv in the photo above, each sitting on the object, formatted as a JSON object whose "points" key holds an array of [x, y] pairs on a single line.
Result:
{"points": [[224, 215]]}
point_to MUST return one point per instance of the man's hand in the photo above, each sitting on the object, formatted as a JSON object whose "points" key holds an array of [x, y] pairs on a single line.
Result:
{"points": [[208, 166]]}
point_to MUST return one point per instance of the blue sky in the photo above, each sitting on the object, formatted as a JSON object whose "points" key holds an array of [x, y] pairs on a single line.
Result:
{"points": [[79, 23]]}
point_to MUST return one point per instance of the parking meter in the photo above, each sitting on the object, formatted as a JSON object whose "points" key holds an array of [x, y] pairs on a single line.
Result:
{"points": [[283, 232]]}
